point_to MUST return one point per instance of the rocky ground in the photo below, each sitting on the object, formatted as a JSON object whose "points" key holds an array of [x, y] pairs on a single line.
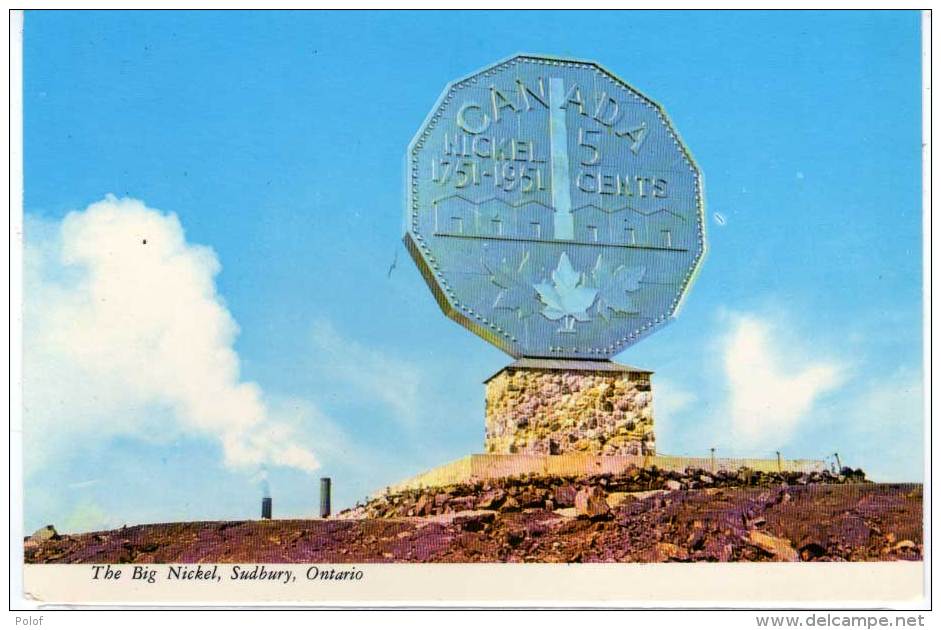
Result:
{"points": [[552, 492], [694, 517]]}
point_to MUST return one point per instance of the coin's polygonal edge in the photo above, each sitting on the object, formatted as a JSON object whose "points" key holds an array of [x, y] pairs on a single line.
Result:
{"points": [[423, 258]]}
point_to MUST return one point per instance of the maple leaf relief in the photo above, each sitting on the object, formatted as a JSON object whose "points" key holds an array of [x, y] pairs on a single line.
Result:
{"points": [[516, 292], [614, 286], [567, 296]]}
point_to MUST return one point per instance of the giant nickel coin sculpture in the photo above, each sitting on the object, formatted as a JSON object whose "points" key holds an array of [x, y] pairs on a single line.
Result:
{"points": [[553, 209]]}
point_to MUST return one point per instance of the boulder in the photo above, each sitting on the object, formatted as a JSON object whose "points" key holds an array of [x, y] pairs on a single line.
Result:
{"points": [[532, 497], [716, 549], [592, 503], [491, 499], [615, 499], [779, 548], [476, 522], [564, 495], [811, 550], [462, 504], [664, 552], [44, 533], [568, 512], [425, 505]]}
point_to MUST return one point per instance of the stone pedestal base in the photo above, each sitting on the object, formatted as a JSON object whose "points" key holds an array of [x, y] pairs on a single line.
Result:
{"points": [[551, 407], [553, 418]]}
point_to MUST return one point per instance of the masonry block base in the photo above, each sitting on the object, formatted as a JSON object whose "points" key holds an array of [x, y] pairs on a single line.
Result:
{"points": [[552, 407]]}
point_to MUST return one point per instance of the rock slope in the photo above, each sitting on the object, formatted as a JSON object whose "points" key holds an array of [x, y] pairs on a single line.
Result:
{"points": [[813, 522]]}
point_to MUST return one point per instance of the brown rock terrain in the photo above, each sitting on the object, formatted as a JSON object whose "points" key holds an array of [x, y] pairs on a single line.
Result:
{"points": [[550, 491], [798, 522]]}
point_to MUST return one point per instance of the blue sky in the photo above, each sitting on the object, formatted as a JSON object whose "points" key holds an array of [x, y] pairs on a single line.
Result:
{"points": [[278, 141]]}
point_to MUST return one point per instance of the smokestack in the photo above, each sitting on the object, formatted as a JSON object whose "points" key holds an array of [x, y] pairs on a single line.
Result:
{"points": [[266, 507], [324, 497]]}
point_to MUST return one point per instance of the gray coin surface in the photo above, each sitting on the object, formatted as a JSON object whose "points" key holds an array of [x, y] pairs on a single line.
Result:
{"points": [[552, 209]]}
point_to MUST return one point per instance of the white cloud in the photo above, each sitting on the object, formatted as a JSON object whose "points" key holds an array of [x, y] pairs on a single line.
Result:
{"points": [[126, 335], [772, 384]]}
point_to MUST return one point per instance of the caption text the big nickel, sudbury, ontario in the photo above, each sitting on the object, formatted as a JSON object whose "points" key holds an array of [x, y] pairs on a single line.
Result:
{"points": [[217, 573]]}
